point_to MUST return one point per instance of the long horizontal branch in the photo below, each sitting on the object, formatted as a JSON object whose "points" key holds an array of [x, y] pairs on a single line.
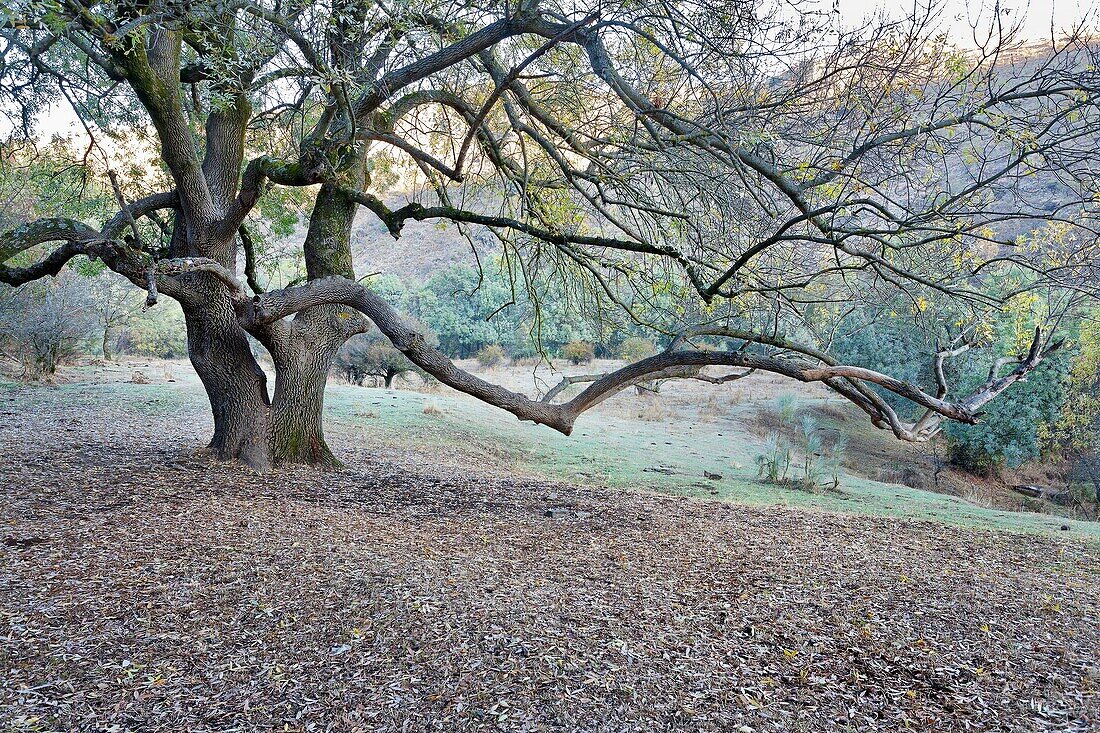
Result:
{"points": [[270, 307], [78, 239]]}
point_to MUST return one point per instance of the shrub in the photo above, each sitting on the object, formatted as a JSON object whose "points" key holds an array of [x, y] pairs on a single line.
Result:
{"points": [[490, 355], [819, 467], [1012, 428], [44, 322], [371, 356], [579, 352], [158, 332], [773, 464], [636, 348]]}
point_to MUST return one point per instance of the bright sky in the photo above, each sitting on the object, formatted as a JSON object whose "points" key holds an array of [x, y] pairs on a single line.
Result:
{"points": [[959, 15]]}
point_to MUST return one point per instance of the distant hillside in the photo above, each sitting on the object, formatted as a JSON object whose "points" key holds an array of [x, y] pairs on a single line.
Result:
{"points": [[423, 249]]}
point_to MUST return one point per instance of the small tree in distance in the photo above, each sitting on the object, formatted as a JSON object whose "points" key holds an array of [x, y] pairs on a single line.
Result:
{"points": [[372, 355], [636, 348], [44, 324]]}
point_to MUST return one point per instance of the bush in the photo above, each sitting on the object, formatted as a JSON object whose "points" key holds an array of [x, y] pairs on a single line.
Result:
{"points": [[773, 464], [818, 468], [159, 332], [370, 356], [44, 322], [579, 352], [636, 348], [1012, 427], [490, 355]]}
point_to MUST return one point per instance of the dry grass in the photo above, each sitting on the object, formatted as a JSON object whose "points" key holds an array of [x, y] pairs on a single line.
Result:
{"points": [[652, 409], [981, 495]]}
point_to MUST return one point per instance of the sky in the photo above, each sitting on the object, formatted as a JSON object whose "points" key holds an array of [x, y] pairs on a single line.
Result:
{"points": [[1036, 15]]}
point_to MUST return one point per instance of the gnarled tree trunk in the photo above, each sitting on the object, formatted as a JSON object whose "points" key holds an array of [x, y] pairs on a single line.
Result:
{"points": [[235, 384], [303, 352], [303, 357], [286, 427]]}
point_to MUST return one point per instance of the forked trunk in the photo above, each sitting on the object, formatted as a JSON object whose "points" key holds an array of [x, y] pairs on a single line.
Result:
{"points": [[248, 425]]}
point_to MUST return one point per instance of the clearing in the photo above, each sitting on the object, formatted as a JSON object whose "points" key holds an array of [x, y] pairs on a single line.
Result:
{"points": [[425, 587]]}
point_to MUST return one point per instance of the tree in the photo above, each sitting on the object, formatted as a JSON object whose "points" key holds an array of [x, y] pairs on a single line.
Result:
{"points": [[714, 159], [372, 355], [113, 305], [579, 352], [44, 323], [464, 310], [1011, 432], [490, 355], [635, 348]]}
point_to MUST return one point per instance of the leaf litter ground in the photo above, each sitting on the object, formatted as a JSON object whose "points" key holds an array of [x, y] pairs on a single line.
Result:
{"points": [[143, 588]]}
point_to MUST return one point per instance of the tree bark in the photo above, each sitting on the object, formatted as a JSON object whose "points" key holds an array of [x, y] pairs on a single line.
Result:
{"points": [[303, 354], [235, 384], [302, 361]]}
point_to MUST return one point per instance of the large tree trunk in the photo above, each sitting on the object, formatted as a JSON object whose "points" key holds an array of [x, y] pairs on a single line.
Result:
{"points": [[302, 362], [288, 427], [303, 353], [235, 384], [248, 425]]}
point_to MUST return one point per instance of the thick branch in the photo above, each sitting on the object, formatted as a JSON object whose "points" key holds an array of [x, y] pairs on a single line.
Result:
{"points": [[271, 307]]}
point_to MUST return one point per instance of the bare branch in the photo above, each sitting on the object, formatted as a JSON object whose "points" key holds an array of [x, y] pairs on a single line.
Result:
{"points": [[275, 305]]}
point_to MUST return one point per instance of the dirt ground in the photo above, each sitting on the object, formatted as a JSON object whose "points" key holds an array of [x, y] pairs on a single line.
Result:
{"points": [[143, 588]]}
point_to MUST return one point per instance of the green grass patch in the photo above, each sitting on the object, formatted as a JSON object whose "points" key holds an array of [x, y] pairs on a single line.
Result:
{"points": [[609, 451], [624, 453]]}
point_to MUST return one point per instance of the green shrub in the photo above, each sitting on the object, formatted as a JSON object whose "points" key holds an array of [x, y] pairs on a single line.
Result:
{"points": [[158, 333], [813, 465], [490, 355], [1011, 429], [579, 352], [371, 355], [636, 348], [773, 464]]}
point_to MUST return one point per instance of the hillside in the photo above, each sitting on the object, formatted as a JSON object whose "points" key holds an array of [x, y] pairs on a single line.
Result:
{"points": [[423, 249]]}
